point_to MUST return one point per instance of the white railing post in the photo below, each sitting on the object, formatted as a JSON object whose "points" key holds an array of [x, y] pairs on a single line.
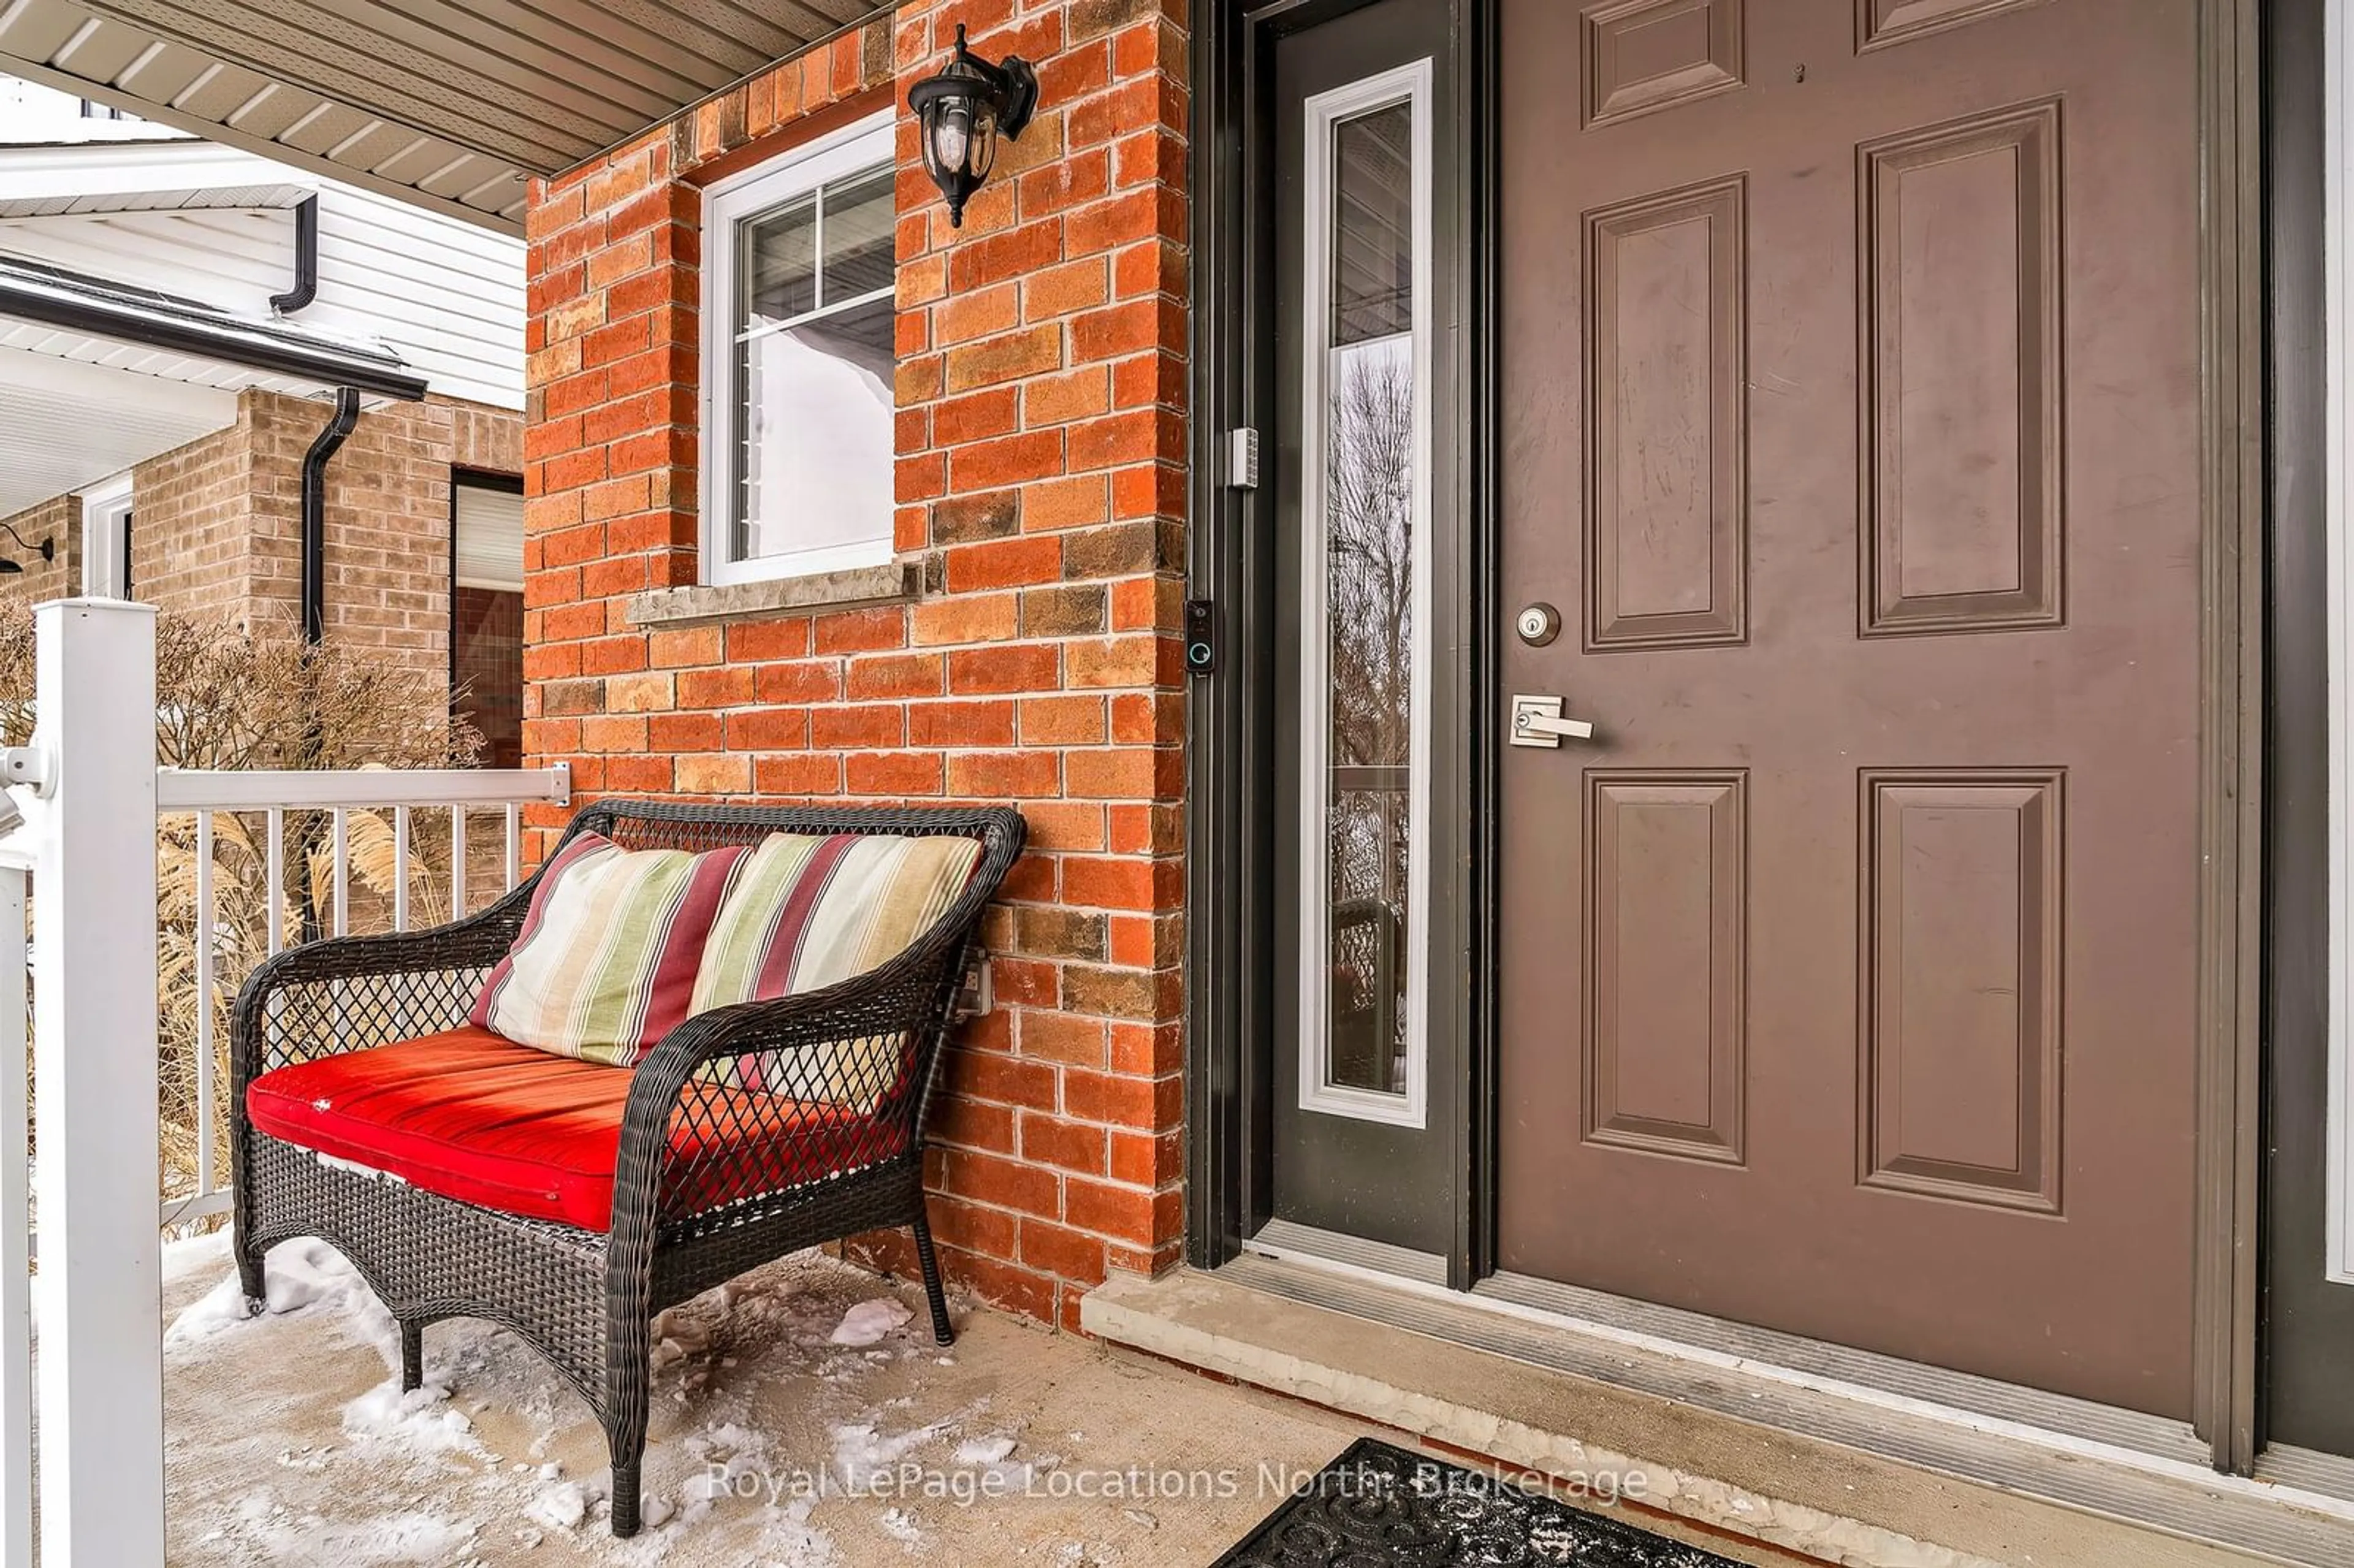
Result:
{"points": [[16, 1238], [102, 1366]]}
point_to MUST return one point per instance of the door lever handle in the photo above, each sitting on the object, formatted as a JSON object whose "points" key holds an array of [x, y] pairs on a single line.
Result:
{"points": [[1538, 721]]}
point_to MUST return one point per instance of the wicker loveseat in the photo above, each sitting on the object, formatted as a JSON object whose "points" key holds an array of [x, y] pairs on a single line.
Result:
{"points": [[643, 1186]]}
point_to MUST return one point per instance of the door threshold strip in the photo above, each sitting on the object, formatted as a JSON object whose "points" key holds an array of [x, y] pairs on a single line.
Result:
{"points": [[1902, 1422], [2305, 1470], [1376, 1260]]}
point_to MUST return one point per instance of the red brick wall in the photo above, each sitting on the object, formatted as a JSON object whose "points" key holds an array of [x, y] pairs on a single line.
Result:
{"points": [[1041, 387]]}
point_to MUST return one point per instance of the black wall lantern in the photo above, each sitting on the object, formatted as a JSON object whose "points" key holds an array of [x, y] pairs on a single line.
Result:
{"points": [[48, 547], [963, 109]]}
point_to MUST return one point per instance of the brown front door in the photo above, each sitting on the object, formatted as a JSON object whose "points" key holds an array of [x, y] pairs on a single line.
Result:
{"points": [[1850, 420]]}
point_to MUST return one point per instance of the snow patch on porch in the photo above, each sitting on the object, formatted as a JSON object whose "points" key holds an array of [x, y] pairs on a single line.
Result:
{"points": [[784, 1405]]}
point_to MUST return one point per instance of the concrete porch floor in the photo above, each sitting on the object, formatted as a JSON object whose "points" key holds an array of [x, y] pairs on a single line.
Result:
{"points": [[289, 1443], [1831, 1472], [802, 1418]]}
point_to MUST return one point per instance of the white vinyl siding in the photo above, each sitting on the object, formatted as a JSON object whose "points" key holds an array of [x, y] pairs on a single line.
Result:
{"points": [[445, 295]]}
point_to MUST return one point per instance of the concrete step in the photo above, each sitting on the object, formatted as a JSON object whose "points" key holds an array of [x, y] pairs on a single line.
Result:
{"points": [[1797, 1467]]}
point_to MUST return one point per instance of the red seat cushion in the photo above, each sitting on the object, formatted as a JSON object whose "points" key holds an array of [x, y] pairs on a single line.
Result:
{"points": [[470, 1116]]}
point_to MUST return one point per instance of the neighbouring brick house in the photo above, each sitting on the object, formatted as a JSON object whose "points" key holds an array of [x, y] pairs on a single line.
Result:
{"points": [[218, 530], [177, 476], [1016, 639]]}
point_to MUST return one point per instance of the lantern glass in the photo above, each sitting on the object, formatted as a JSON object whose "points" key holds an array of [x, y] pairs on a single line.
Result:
{"points": [[982, 156], [951, 135]]}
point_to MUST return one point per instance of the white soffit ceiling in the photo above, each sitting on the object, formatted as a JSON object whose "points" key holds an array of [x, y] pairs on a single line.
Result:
{"points": [[137, 176], [450, 103], [65, 424]]}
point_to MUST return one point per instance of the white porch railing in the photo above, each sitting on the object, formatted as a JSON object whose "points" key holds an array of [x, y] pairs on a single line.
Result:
{"points": [[15, 1220], [85, 864], [459, 793]]}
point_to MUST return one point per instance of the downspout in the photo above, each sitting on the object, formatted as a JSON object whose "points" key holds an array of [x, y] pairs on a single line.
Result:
{"points": [[329, 441], [314, 513], [306, 260]]}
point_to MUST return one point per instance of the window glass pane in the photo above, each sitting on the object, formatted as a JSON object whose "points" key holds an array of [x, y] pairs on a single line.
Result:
{"points": [[777, 264], [1369, 549], [486, 634], [1365, 572], [1373, 224], [814, 463], [858, 236], [486, 619], [490, 537]]}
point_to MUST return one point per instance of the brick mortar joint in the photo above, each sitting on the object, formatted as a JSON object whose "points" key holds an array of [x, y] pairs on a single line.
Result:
{"points": [[1104, 1238]]}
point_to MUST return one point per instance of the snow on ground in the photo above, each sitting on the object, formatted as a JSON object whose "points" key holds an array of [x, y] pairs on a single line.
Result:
{"points": [[983, 1450], [204, 1254], [448, 1495], [305, 1276], [266, 1531], [775, 1400], [869, 1321], [864, 1454], [418, 1421]]}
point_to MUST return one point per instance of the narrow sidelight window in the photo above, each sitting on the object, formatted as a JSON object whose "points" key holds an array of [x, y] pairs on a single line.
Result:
{"points": [[1365, 579]]}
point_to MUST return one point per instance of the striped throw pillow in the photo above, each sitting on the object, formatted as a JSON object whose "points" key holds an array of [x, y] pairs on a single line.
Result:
{"points": [[808, 911], [605, 964]]}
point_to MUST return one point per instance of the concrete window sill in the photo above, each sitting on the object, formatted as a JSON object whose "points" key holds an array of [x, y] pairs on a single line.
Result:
{"points": [[891, 583]]}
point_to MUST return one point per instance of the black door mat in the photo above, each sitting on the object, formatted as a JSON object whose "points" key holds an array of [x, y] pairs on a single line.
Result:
{"points": [[1378, 1506]]}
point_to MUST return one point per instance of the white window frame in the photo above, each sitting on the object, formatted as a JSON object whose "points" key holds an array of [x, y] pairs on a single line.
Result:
{"points": [[106, 509], [726, 204], [2338, 210], [1325, 111]]}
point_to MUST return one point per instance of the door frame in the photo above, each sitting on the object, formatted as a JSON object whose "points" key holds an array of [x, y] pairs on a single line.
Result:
{"points": [[2229, 1157], [2300, 998], [1228, 820]]}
